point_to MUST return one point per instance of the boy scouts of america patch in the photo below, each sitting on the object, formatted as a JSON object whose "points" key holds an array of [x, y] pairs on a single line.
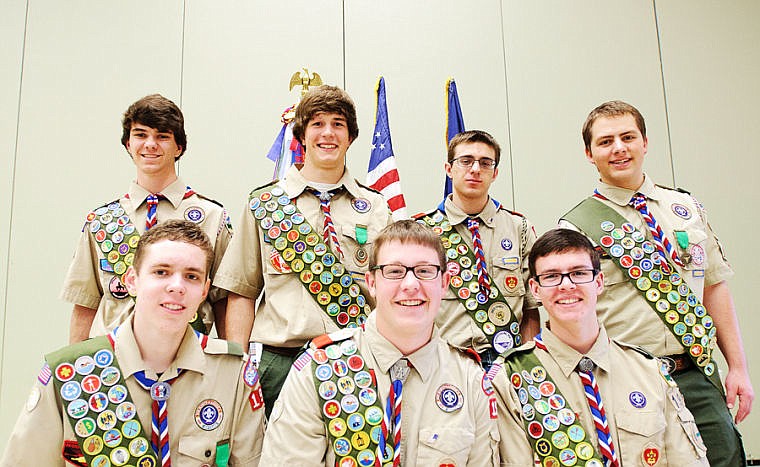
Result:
{"points": [[209, 415]]}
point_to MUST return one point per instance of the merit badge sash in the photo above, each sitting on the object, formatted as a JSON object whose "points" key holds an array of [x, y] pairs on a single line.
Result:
{"points": [[94, 395], [305, 254], [117, 238], [667, 293], [491, 313], [546, 415], [351, 411]]}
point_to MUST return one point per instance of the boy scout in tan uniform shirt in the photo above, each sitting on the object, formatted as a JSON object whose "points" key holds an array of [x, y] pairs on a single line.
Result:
{"points": [[88, 285], [645, 413], [98, 399], [547, 405], [154, 136], [447, 411], [287, 316]]}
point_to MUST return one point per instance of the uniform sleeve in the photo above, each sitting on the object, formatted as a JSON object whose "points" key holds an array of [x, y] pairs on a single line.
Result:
{"points": [[296, 432], [682, 438], [241, 270], [514, 448], [37, 438], [530, 301], [485, 448], [223, 238], [248, 427], [81, 285], [718, 268]]}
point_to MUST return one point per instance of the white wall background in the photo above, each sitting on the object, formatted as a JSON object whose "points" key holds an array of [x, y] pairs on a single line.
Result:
{"points": [[528, 72]]}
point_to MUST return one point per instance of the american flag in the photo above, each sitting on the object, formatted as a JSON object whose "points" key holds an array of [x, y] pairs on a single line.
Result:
{"points": [[382, 174]]}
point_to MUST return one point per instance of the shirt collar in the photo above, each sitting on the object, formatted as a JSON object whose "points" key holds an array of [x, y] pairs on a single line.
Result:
{"points": [[456, 215], [423, 360], [190, 355], [567, 358], [294, 183], [622, 196], [174, 193]]}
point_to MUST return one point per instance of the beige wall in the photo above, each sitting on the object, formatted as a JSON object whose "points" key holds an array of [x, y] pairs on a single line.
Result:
{"points": [[528, 72]]}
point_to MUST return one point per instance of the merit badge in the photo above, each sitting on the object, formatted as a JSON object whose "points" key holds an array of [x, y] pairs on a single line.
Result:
{"points": [[209, 415], [502, 341], [506, 244], [84, 365], [650, 455], [681, 211], [117, 289], [361, 205], [637, 399], [449, 398]]}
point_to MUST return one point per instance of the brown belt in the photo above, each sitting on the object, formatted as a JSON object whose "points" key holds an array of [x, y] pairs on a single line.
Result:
{"points": [[677, 362], [285, 351]]}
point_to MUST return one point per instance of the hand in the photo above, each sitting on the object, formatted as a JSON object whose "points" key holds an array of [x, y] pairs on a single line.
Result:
{"points": [[739, 385]]}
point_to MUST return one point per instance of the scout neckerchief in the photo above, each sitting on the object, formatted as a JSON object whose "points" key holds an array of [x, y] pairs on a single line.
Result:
{"points": [[491, 312], [98, 405], [666, 292], [323, 275], [357, 430], [117, 238], [639, 203], [328, 231], [546, 415]]}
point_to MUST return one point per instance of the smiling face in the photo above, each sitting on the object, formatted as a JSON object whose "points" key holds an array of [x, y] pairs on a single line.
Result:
{"points": [[170, 284], [406, 306], [569, 305], [617, 149], [153, 152], [326, 141]]}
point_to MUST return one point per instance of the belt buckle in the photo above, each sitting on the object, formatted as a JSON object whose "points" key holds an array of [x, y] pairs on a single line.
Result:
{"points": [[668, 364]]}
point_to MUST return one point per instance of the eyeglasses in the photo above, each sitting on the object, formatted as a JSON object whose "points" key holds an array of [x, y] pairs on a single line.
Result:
{"points": [[553, 279], [466, 162], [395, 272]]}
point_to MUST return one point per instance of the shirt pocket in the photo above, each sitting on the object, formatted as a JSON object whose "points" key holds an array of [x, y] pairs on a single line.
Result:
{"points": [[694, 256], [356, 253], [507, 271], [199, 448], [637, 429], [444, 446]]}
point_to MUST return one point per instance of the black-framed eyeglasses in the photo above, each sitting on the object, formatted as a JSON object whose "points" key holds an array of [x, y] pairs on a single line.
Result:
{"points": [[423, 272], [466, 162], [579, 276]]}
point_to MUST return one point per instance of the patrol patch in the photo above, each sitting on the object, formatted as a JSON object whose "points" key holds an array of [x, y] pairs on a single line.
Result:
{"points": [[209, 415], [449, 398], [681, 211], [361, 205]]}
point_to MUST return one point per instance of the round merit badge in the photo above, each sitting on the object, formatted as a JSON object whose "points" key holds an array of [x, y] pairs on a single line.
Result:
{"points": [[449, 398], [209, 415]]}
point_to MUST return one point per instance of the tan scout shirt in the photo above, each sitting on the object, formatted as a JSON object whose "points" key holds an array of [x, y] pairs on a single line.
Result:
{"points": [[214, 374], [296, 434], [507, 240], [663, 423], [624, 311], [287, 315], [89, 286]]}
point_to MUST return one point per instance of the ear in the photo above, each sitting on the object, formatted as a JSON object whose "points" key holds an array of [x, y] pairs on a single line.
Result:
{"points": [[589, 156], [534, 288], [130, 280], [646, 144], [369, 279], [447, 167], [206, 288], [446, 278], [495, 173], [599, 283]]}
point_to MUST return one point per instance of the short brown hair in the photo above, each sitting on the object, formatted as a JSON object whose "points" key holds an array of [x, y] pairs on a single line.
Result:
{"points": [[561, 241], [329, 99], [611, 109], [408, 231], [157, 112], [175, 230], [474, 136]]}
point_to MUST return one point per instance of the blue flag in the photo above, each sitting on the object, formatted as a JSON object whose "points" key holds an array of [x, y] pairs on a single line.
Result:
{"points": [[454, 122]]}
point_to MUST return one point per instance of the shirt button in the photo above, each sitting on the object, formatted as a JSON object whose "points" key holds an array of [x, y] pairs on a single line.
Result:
{"points": [[208, 452]]}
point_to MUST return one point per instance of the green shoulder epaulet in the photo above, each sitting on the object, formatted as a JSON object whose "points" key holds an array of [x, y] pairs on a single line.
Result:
{"points": [[525, 348], [222, 347]]}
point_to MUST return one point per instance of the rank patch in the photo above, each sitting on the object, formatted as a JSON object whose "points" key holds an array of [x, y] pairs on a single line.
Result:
{"points": [[209, 415], [449, 398]]}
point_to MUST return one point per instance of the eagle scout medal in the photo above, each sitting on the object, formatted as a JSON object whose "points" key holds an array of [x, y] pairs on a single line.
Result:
{"points": [[666, 292]]}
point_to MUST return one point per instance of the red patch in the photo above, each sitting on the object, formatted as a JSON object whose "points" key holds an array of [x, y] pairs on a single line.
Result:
{"points": [[256, 398], [651, 456], [492, 407]]}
